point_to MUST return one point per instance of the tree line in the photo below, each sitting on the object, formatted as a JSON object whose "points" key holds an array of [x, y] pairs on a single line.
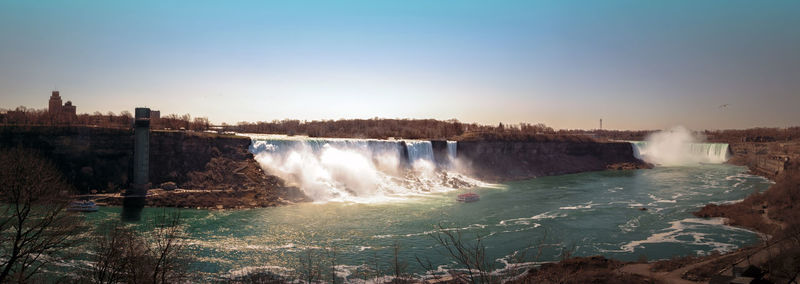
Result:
{"points": [[124, 120], [383, 128]]}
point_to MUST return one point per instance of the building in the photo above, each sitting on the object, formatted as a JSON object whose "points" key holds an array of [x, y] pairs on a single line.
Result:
{"points": [[55, 103], [155, 119], [69, 110], [61, 113]]}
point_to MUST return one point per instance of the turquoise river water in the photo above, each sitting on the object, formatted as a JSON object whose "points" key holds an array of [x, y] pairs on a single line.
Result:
{"points": [[595, 213]]}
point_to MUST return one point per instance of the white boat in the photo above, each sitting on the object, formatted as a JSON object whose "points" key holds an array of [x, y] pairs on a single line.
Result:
{"points": [[82, 206], [468, 197]]}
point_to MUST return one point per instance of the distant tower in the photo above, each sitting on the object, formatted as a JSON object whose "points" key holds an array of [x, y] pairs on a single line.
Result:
{"points": [[141, 152], [601, 124], [55, 103]]}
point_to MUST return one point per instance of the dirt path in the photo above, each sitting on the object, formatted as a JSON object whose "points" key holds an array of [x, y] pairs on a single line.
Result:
{"points": [[670, 277]]}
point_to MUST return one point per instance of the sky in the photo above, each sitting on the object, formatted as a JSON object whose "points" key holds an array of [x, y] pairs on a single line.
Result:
{"points": [[635, 64]]}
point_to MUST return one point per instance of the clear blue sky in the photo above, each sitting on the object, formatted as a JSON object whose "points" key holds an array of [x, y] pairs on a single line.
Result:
{"points": [[636, 64]]}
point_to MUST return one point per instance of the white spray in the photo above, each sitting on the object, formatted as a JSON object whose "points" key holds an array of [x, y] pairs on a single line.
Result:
{"points": [[679, 147], [355, 170]]}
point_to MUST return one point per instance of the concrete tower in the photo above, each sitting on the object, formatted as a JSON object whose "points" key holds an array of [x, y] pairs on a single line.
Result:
{"points": [[141, 152]]}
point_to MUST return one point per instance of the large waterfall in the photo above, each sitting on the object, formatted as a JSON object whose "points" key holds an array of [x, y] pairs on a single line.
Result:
{"points": [[712, 153], [358, 170], [677, 147], [689, 153]]}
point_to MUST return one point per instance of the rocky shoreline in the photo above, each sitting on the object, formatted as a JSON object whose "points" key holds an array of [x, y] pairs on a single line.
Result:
{"points": [[769, 211], [773, 213]]}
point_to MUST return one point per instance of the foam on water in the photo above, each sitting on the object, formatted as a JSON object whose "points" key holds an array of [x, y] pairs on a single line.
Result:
{"points": [[686, 228], [545, 215], [584, 206]]}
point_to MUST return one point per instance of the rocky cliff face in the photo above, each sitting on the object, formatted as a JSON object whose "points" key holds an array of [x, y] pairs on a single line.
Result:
{"points": [[89, 158], [101, 159], [190, 159], [768, 159], [515, 160]]}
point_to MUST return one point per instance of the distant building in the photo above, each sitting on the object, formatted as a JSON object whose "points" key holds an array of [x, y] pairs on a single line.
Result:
{"points": [[155, 119], [69, 110], [55, 103], [61, 113]]}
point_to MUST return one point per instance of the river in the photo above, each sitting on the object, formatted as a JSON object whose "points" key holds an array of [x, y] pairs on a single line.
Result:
{"points": [[620, 214]]}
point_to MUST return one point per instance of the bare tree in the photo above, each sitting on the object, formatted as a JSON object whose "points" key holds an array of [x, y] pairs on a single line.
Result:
{"points": [[398, 267], [152, 255], [310, 269], [519, 260], [109, 253], [332, 256], [472, 256], [35, 229]]}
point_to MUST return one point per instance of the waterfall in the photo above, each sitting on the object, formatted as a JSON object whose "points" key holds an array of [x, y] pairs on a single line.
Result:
{"points": [[452, 148], [680, 154], [714, 152], [679, 146], [419, 151], [355, 170]]}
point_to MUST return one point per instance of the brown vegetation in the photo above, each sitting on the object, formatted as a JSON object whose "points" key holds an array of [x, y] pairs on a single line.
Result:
{"points": [[384, 128], [620, 135], [760, 134], [22, 116], [765, 212], [593, 269], [677, 262], [512, 135], [343, 128]]}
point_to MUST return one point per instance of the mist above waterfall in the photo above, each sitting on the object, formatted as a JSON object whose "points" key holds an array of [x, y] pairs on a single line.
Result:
{"points": [[678, 146], [357, 170]]}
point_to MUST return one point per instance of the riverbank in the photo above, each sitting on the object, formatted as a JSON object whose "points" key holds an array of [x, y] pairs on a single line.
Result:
{"points": [[772, 211]]}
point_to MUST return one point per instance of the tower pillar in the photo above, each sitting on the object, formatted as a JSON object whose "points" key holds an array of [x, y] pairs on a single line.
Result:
{"points": [[141, 152]]}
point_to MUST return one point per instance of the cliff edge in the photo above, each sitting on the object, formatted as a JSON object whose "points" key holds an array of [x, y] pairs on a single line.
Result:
{"points": [[516, 160]]}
